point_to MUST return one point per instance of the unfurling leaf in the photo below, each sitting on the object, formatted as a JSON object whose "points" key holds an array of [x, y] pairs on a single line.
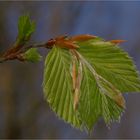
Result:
{"points": [[32, 55], [85, 83], [25, 29]]}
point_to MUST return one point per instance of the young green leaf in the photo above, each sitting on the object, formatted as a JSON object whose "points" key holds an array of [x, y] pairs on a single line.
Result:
{"points": [[25, 29], [111, 63], [32, 55], [105, 72], [58, 85]]}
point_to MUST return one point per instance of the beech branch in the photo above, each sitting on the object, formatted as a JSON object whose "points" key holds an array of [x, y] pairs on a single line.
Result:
{"points": [[16, 53]]}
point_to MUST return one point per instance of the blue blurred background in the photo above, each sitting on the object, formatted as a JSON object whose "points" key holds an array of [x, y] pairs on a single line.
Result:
{"points": [[23, 111]]}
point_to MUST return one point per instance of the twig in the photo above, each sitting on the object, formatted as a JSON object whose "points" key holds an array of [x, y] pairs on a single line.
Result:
{"points": [[14, 53]]}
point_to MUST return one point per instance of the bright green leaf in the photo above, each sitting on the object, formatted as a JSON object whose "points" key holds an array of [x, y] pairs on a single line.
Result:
{"points": [[58, 85], [112, 63], [98, 98], [107, 72], [25, 29], [32, 55]]}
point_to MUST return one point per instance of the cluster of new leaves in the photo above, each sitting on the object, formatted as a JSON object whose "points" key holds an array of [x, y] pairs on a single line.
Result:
{"points": [[106, 71], [25, 29], [84, 76], [20, 49]]}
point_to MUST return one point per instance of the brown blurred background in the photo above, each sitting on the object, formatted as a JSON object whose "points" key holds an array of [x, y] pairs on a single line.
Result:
{"points": [[23, 111]]}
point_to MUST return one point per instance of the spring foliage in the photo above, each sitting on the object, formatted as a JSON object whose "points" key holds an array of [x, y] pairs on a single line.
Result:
{"points": [[84, 76], [106, 72]]}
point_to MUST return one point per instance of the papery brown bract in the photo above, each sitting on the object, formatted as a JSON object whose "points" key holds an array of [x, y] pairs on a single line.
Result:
{"points": [[83, 37], [117, 41]]}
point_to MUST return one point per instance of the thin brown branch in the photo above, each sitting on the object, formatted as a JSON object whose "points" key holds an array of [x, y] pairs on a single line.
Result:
{"points": [[14, 53], [39, 45]]}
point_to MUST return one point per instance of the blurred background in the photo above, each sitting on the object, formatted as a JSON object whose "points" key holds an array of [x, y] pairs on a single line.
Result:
{"points": [[23, 111]]}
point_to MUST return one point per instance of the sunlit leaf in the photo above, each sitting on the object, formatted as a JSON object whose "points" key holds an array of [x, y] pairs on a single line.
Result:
{"points": [[103, 73], [58, 85], [112, 63]]}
